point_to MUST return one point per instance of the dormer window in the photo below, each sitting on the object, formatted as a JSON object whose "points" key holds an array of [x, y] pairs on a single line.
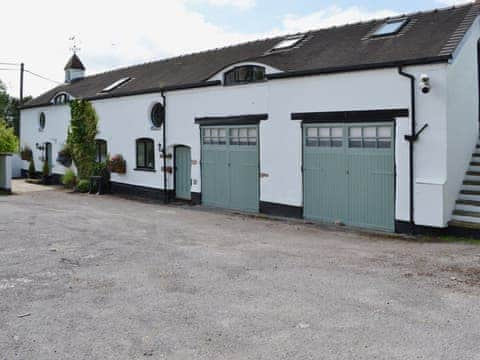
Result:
{"points": [[288, 43], [116, 84], [390, 27], [60, 99], [244, 75]]}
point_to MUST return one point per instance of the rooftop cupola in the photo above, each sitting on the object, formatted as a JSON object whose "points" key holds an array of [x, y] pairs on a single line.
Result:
{"points": [[74, 69]]}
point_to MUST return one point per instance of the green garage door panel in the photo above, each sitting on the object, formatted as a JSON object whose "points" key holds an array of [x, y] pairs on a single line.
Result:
{"points": [[349, 174], [215, 177], [230, 167]]}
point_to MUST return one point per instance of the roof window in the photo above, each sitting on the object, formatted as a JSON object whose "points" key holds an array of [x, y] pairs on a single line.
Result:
{"points": [[116, 84], [288, 43], [390, 27]]}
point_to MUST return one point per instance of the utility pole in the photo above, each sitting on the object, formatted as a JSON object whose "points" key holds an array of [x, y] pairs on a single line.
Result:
{"points": [[22, 70]]}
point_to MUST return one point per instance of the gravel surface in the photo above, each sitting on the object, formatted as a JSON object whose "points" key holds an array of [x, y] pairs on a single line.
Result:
{"points": [[87, 277]]}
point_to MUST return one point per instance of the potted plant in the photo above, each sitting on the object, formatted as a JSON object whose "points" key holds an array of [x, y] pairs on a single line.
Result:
{"points": [[46, 178], [117, 164], [31, 170], [26, 153], [64, 156]]}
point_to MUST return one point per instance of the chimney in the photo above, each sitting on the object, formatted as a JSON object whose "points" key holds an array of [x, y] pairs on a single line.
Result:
{"points": [[74, 69]]}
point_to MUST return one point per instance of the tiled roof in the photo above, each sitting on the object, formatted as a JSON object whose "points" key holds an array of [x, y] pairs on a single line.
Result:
{"points": [[427, 37]]}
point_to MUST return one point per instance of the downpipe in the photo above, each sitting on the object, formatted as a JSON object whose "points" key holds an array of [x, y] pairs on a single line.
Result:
{"points": [[164, 148], [412, 138]]}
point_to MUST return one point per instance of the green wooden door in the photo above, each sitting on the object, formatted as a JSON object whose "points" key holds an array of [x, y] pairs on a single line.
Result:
{"points": [[230, 171], [183, 163], [349, 174]]}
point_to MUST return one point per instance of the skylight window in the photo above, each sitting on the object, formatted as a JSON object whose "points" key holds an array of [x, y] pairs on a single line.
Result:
{"points": [[116, 84], [288, 43], [390, 27]]}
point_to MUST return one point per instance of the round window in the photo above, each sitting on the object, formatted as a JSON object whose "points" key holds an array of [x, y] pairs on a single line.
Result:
{"points": [[42, 120], [158, 115]]}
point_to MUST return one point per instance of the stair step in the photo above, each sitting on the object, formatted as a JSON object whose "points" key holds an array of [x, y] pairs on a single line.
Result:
{"points": [[472, 214], [474, 168], [468, 205], [466, 219], [473, 173], [474, 163], [464, 224], [476, 155], [471, 182]]}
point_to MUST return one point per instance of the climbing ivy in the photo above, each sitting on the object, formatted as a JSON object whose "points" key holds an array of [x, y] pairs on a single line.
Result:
{"points": [[81, 137]]}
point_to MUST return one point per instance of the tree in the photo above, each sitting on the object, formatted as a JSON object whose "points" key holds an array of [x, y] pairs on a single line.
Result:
{"points": [[81, 137], [8, 140], [10, 108]]}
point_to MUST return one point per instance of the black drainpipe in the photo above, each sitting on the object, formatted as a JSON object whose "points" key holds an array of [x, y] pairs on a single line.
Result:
{"points": [[411, 139], [164, 148]]}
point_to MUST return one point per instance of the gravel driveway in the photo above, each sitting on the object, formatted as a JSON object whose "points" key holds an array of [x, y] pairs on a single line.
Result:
{"points": [[86, 277]]}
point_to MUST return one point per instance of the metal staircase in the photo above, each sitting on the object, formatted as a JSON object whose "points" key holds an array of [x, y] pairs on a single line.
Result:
{"points": [[467, 209]]}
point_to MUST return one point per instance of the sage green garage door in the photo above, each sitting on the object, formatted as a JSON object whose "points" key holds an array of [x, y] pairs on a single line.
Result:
{"points": [[230, 167], [349, 174]]}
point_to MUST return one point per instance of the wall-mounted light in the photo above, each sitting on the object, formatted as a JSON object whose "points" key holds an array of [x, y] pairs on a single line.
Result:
{"points": [[160, 149], [425, 83]]}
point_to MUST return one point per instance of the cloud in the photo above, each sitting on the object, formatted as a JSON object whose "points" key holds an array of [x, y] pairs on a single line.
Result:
{"points": [[331, 16], [241, 4], [119, 33]]}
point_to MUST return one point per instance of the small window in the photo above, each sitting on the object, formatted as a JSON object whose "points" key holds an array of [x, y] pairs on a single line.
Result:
{"points": [[324, 137], [390, 27], [157, 115], [60, 99], [116, 84], [101, 151], [42, 121], [214, 136], [243, 136], [288, 43], [370, 137], [145, 154], [244, 75]]}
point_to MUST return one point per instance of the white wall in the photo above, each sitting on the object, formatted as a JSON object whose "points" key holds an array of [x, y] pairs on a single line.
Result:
{"points": [[122, 120], [462, 113], [280, 143]]}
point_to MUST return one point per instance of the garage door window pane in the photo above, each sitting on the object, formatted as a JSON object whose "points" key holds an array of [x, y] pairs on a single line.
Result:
{"points": [[385, 132], [243, 136], [215, 136], [370, 132], [356, 132], [384, 143], [337, 132]]}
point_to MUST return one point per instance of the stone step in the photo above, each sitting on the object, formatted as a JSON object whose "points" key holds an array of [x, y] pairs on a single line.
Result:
{"points": [[473, 176], [470, 185], [468, 205], [463, 224], [466, 219], [475, 163], [475, 168]]}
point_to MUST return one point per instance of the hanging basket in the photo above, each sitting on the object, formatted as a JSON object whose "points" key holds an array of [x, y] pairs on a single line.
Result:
{"points": [[64, 159], [26, 154], [117, 165]]}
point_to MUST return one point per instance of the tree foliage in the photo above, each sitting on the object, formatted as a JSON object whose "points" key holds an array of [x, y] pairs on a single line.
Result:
{"points": [[8, 140], [81, 137], [10, 108]]}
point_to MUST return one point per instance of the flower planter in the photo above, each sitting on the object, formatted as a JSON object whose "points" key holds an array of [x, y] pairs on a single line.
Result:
{"points": [[117, 165], [64, 159], [26, 154]]}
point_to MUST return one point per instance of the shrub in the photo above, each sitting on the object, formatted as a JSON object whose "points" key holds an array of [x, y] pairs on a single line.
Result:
{"points": [[8, 140], [83, 186], [26, 153], [45, 169], [81, 136], [31, 169], [69, 179]]}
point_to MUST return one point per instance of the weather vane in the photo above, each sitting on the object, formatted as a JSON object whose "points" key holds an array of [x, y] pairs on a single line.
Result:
{"points": [[74, 47]]}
